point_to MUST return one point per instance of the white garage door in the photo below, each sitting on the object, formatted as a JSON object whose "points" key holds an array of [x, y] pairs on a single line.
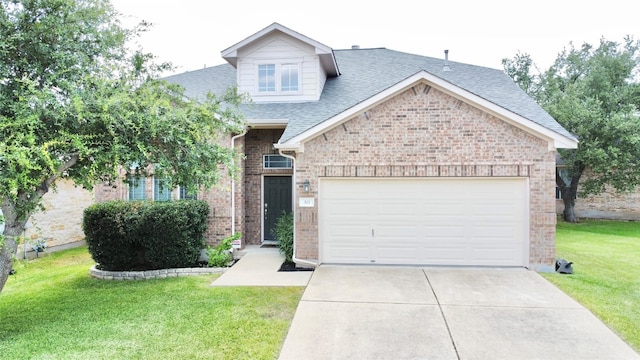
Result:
{"points": [[471, 221]]}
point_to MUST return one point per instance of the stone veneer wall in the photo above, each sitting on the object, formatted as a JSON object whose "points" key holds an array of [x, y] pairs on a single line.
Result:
{"points": [[61, 221], [153, 274], [257, 143], [427, 129]]}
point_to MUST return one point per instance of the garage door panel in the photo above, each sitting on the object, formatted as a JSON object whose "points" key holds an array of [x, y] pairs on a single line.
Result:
{"points": [[352, 231], [350, 254], [396, 211], [382, 234], [348, 207], [445, 210], [443, 231], [491, 210], [496, 231], [446, 256], [489, 256], [424, 221], [396, 254]]}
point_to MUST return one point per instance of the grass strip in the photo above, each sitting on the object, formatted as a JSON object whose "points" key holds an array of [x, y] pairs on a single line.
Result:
{"points": [[606, 279]]}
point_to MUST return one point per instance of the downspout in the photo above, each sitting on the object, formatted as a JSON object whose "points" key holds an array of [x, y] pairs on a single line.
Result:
{"points": [[293, 179], [233, 186]]}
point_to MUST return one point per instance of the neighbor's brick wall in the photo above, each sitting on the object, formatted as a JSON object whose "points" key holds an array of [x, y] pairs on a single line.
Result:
{"points": [[610, 204], [61, 221], [258, 143], [428, 129]]}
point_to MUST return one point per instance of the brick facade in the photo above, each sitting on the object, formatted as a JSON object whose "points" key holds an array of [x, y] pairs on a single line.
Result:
{"points": [[428, 133], [218, 198], [610, 205], [416, 133], [248, 190], [257, 143]]}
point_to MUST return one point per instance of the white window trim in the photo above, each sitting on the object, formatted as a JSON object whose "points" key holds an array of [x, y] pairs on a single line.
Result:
{"points": [[278, 76]]}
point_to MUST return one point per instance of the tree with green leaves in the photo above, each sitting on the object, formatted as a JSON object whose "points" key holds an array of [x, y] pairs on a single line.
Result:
{"points": [[594, 92], [76, 103]]}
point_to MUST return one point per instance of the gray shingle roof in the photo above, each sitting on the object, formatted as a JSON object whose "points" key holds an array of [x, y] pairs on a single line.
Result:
{"points": [[365, 73]]}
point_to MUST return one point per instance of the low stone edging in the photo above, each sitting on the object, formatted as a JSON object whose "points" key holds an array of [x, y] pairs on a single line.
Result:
{"points": [[153, 274]]}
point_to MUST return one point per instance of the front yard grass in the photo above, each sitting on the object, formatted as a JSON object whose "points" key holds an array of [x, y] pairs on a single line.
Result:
{"points": [[606, 266], [53, 309]]}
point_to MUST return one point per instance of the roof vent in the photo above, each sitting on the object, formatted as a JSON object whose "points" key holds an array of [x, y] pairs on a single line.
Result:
{"points": [[355, 47], [446, 61]]}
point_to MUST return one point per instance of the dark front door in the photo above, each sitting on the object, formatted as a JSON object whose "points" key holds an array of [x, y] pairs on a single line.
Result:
{"points": [[277, 199]]}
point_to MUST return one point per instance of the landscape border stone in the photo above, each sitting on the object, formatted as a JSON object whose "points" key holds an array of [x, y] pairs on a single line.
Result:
{"points": [[153, 274]]}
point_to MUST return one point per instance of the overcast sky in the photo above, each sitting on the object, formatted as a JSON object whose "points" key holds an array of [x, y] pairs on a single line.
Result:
{"points": [[192, 33]]}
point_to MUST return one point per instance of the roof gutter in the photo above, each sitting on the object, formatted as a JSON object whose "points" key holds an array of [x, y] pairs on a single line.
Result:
{"points": [[297, 147], [295, 260]]}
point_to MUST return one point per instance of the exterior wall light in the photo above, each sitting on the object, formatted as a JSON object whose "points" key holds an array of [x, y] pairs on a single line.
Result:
{"points": [[306, 186]]}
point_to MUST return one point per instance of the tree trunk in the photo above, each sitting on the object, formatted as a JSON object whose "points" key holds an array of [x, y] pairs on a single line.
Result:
{"points": [[569, 204], [13, 228], [6, 256], [569, 193]]}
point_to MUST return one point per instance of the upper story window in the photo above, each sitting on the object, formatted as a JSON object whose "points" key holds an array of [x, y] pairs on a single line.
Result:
{"points": [[266, 77], [288, 75]]}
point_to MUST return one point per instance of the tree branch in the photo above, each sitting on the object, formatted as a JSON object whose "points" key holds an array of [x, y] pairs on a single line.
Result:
{"points": [[44, 187]]}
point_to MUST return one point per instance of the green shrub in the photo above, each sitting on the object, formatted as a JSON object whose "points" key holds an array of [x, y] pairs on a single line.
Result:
{"points": [[221, 255], [143, 235], [284, 235]]}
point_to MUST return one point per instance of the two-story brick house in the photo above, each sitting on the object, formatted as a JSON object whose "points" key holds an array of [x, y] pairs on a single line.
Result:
{"points": [[384, 157]]}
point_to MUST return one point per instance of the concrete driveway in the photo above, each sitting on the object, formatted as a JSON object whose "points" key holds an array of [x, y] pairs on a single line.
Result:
{"points": [[437, 313]]}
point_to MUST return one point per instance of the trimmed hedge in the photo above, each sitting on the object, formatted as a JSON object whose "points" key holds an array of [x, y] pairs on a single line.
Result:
{"points": [[145, 235]]}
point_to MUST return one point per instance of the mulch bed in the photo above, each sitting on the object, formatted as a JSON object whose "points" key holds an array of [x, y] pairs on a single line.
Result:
{"points": [[290, 266]]}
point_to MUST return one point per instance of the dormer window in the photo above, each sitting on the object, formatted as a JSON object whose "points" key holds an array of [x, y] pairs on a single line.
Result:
{"points": [[288, 75], [267, 77]]}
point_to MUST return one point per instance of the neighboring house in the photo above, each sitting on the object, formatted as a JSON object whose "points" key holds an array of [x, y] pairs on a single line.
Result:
{"points": [[384, 157], [60, 222], [609, 205]]}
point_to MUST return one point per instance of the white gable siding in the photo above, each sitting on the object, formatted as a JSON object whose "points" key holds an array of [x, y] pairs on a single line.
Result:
{"points": [[280, 48], [322, 79]]}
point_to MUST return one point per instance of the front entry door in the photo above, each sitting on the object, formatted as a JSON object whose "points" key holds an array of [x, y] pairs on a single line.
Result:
{"points": [[277, 199]]}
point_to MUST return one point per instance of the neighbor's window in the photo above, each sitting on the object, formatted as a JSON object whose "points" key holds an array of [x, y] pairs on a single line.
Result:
{"points": [[564, 174], [273, 161], [137, 188], [161, 191], [267, 77]]}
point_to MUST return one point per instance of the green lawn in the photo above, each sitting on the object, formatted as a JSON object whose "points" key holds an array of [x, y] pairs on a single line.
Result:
{"points": [[53, 309], [606, 279]]}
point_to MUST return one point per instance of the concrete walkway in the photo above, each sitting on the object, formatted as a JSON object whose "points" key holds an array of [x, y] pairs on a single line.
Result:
{"points": [[436, 313], [259, 267]]}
